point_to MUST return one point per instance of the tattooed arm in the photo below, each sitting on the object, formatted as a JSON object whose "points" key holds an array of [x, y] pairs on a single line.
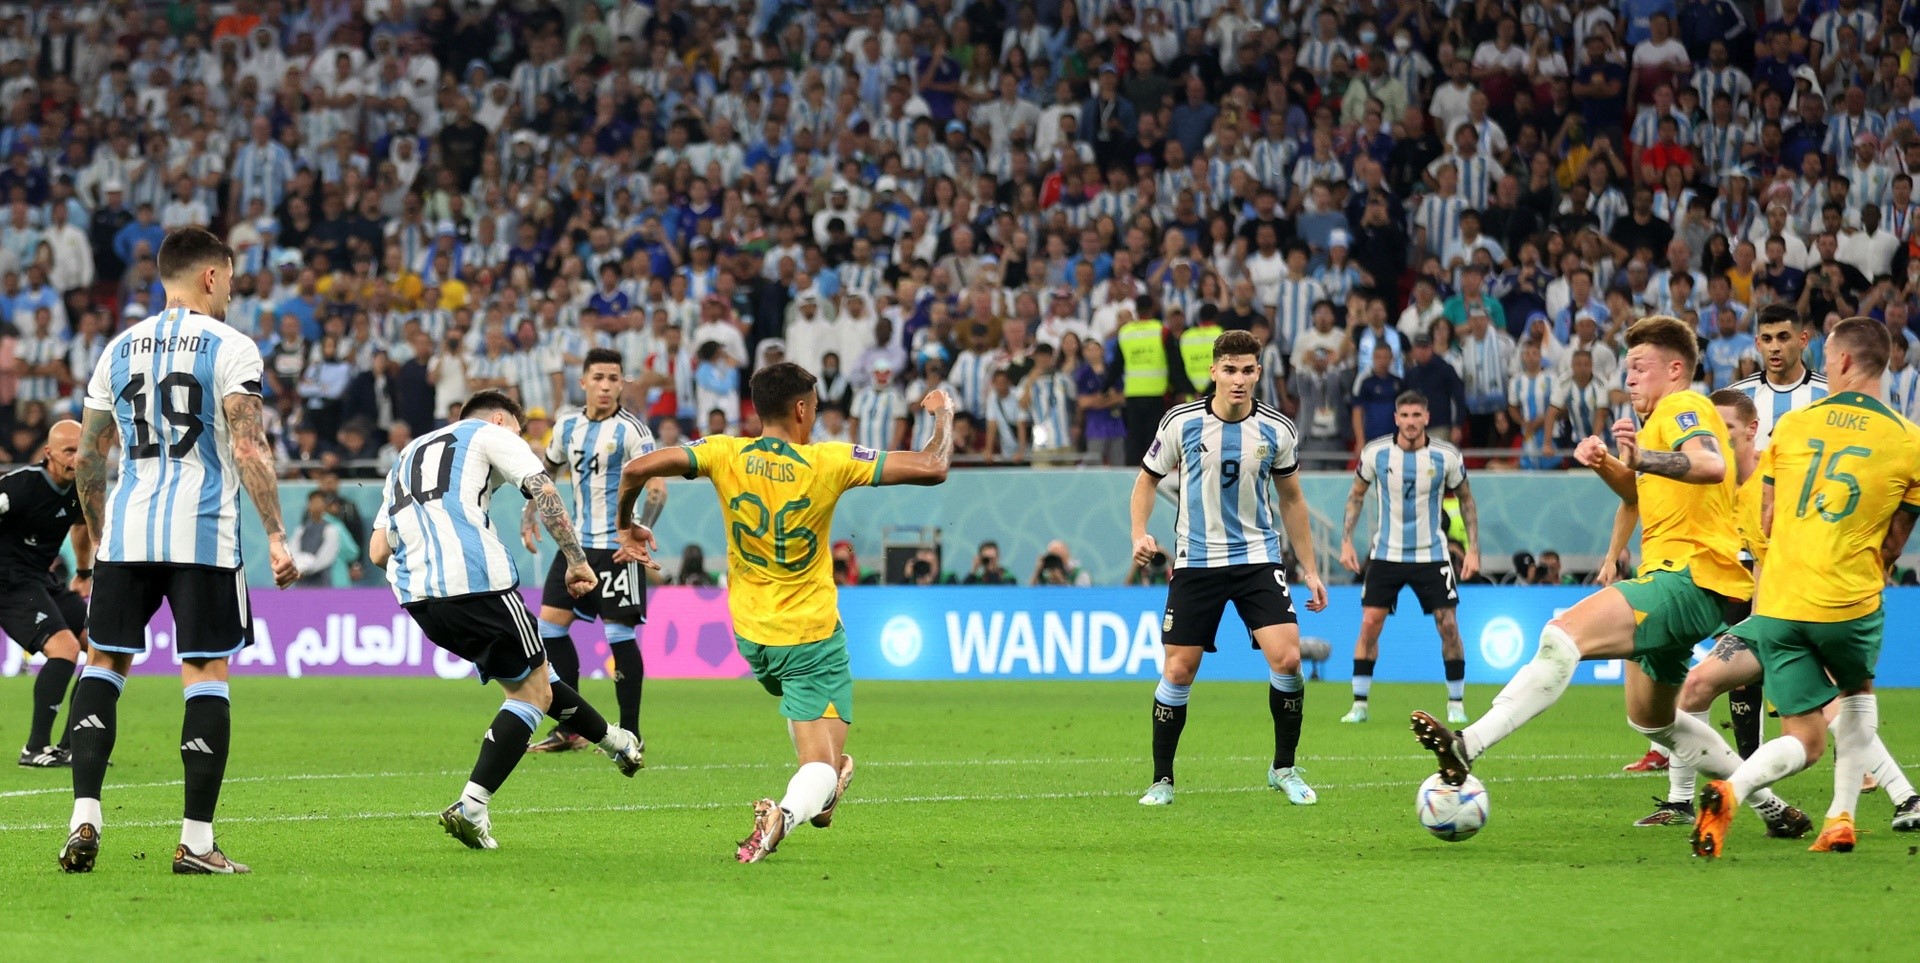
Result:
{"points": [[655, 502], [928, 466], [253, 456], [552, 512], [1356, 503], [1898, 529], [98, 435], [529, 517], [1469, 517], [1697, 462]]}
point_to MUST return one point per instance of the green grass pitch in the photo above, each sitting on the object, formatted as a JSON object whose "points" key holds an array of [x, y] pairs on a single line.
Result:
{"points": [[988, 821]]}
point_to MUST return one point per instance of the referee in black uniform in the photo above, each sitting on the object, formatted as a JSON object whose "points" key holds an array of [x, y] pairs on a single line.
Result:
{"points": [[39, 509]]}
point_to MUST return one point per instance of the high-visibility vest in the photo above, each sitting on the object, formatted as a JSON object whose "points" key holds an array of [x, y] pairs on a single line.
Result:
{"points": [[1196, 355], [1144, 348]]}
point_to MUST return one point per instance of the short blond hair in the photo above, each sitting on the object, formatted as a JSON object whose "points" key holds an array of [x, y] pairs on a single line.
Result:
{"points": [[1668, 333]]}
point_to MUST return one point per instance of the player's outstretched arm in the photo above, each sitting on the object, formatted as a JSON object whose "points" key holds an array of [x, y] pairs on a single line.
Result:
{"points": [[1625, 518], [529, 518], [545, 496], [1698, 460], [1592, 452], [254, 459], [98, 434], [643, 473], [928, 466], [1356, 502], [1299, 526]]}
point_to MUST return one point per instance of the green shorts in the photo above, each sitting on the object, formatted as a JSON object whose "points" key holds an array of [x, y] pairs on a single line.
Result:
{"points": [[813, 680], [1809, 664], [1671, 615]]}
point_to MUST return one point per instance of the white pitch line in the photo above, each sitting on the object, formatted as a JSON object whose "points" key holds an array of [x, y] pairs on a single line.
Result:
{"points": [[720, 766], [370, 816]]}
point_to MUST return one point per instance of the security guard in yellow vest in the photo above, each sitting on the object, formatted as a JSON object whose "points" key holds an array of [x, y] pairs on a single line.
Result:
{"points": [[1196, 350], [1145, 357]]}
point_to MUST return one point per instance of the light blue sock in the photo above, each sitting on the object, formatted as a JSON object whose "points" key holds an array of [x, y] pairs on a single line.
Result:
{"points": [[549, 630], [1291, 682], [115, 679], [525, 710], [216, 689], [617, 634], [1168, 694]]}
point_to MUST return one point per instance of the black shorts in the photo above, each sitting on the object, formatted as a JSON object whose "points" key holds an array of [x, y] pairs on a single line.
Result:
{"points": [[494, 631], [1432, 584], [211, 619], [620, 597], [33, 612], [1197, 597]]}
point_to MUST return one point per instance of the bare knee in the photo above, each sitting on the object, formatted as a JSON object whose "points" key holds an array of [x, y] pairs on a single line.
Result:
{"points": [[1286, 662], [1698, 692], [1180, 673], [62, 646], [120, 662], [533, 690]]}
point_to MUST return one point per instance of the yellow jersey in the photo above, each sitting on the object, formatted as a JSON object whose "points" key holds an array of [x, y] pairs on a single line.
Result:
{"points": [[1839, 469], [1686, 526], [1746, 517], [777, 499]]}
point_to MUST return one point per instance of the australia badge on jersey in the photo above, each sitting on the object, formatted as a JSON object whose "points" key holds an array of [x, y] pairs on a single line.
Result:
{"points": [[864, 454], [1687, 420]]}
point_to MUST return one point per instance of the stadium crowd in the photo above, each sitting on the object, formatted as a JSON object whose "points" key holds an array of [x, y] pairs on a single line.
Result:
{"points": [[1050, 207]]}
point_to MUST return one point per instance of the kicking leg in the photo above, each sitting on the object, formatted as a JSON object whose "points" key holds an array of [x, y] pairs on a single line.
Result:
{"points": [[1366, 650], [1170, 717], [569, 709], [1453, 656], [1803, 741], [1286, 702], [1600, 627], [1651, 712], [49, 691], [1731, 664]]}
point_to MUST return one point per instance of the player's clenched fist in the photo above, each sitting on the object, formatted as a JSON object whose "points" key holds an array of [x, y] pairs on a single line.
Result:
{"points": [[1590, 451], [1144, 549]]}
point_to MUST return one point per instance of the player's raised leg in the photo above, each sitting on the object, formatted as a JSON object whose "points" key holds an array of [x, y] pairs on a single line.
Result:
{"points": [[815, 683], [556, 624]]}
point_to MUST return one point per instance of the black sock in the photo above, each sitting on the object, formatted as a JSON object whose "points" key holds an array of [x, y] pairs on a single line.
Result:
{"points": [[575, 715], [1167, 723], [1746, 703], [66, 731], [205, 732], [1456, 671], [1362, 669], [49, 688], [504, 744], [565, 660], [629, 673], [95, 701], [1287, 709]]}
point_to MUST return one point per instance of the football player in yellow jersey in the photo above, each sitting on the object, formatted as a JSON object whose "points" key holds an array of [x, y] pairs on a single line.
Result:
{"points": [[777, 494], [1683, 499], [1843, 486], [1732, 663]]}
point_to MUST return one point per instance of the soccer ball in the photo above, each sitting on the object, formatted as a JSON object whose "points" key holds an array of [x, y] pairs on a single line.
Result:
{"points": [[1452, 813]]}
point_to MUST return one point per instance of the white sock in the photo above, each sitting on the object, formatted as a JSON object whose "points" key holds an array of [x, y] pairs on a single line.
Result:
{"points": [[1855, 731], [85, 811], [1656, 747], [477, 797], [197, 836], [1776, 759], [1680, 776], [1536, 686], [1892, 778], [1699, 748], [808, 792], [616, 739]]}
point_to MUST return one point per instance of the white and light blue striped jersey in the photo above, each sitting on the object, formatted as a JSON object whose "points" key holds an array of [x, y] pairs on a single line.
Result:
{"points": [[166, 381], [1772, 402], [1408, 488], [1050, 400], [876, 408], [595, 451], [1227, 515], [1584, 408], [1903, 390], [434, 509]]}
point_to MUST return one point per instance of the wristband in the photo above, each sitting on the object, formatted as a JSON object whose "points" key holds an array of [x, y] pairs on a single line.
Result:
{"points": [[83, 573]]}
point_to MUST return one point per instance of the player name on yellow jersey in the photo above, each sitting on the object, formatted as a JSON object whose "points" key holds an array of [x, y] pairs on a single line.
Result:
{"points": [[1839, 469], [778, 499]]}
